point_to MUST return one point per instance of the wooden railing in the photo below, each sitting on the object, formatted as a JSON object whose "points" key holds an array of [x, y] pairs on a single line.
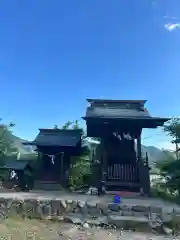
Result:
{"points": [[123, 172]]}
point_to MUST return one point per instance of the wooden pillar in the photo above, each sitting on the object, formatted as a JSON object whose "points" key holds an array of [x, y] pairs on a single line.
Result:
{"points": [[103, 163], [139, 152], [144, 177], [62, 168]]}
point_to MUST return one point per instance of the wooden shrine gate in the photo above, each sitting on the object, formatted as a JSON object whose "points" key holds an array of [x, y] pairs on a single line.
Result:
{"points": [[119, 124]]}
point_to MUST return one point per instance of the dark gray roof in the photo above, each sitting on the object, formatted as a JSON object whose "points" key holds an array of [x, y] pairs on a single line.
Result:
{"points": [[111, 101], [120, 109], [115, 112], [57, 138], [16, 164], [103, 108]]}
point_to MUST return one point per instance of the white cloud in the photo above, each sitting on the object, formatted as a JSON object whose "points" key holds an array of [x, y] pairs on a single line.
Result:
{"points": [[171, 26]]}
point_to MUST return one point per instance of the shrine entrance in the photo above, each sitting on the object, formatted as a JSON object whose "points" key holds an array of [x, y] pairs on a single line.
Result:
{"points": [[118, 124], [55, 148], [50, 168]]}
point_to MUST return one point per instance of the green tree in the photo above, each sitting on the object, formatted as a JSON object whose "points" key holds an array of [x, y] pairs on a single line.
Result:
{"points": [[170, 166], [172, 128], [80, 170], [6, 142]]}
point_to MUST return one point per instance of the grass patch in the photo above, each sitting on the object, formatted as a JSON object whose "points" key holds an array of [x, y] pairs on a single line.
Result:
{"points": [[20, 229]]}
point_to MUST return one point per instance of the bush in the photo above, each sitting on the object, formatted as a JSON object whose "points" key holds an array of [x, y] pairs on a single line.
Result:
{"points": [[80, 172]]}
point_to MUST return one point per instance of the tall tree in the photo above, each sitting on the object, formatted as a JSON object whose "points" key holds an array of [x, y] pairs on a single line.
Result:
{"points": [[172, 128], [6, 143], [170, 167]]}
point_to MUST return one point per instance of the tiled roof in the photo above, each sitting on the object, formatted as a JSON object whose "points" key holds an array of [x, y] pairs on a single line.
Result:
{"points": [[57, 137], [16, 164], [115, 112]]}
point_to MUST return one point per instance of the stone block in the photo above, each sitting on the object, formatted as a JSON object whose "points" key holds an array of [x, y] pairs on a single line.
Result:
{"points": [[73, 218], [125, 207], [140, 214], [126, 213], [63, 204], [71, 206], [93, 208], [140, 208], [154, 209], [114, 207], [57, 208], [29, 209], [16, 208], [166, 217], [127, 221], [81, 204], [103, 209], [98, 221], [44, 209]]}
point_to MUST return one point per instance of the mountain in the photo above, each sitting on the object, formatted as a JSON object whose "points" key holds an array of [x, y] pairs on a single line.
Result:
{"points": [[18, 143], [154, 154]]}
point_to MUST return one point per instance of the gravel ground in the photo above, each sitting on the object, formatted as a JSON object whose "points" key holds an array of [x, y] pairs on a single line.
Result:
{"points": [[17, 229]]}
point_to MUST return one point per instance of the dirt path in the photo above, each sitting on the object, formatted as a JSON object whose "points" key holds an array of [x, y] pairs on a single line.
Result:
{"points": [[16, 229]]}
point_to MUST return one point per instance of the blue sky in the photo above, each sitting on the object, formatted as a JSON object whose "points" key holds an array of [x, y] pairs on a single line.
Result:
{"points": [[55, 54]]}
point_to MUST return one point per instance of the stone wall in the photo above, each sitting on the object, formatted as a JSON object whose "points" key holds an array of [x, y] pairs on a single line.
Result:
{"points": [[93, 213]]}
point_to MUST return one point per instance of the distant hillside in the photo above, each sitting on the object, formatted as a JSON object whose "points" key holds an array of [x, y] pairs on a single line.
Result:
{"points": [[18, 143], [155, 154]]}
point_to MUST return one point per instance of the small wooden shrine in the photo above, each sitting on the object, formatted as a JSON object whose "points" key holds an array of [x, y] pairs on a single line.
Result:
{"points": [[119, 124], [55, 148]]}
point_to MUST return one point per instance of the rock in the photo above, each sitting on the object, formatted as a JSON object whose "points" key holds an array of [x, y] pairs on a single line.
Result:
{"points": [[72, 207], [114, 207], [127, 213], [127, 221], [140, 208], [44, 209], [176, 211], [29, 208], [63, 204], [81, 204], [154, 209], [166, 217], [103, 208], [176, 218], [167, 230], [98, 221], [91, 204], [86, 225], [93, 209], [16, 208], [140, 214], [57, 208], [125, 208], [73, 219], [155, 223]]}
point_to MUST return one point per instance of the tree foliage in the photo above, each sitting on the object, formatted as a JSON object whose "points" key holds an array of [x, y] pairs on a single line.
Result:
{"points": [[80, 168], [172, 128], [170, 166], [6, 142]]}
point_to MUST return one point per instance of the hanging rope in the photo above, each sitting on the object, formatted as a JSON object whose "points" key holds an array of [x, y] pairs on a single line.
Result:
{"points": [[53, 156]]}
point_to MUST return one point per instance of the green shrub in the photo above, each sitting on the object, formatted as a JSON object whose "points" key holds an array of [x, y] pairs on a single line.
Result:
{"points": [[80, 172]]}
